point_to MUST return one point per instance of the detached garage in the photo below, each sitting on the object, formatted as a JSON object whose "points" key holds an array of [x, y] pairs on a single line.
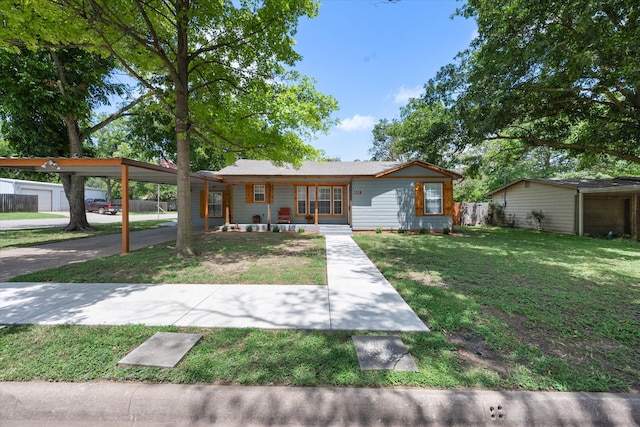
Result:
{"points": [[51, 197], [592, 207]]}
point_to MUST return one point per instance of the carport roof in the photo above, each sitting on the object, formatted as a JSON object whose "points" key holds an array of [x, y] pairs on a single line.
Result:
{"points": [[101, 168]]}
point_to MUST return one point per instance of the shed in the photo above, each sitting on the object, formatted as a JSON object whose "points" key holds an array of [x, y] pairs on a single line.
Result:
{"points": [[580, 206], [51, 197]]}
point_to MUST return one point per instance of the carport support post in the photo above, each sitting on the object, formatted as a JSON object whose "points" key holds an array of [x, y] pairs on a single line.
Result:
{"points": [[580, 213], [124, 170]]}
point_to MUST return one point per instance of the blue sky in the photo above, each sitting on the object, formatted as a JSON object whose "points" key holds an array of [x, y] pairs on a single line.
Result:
{"points": [[372, 56]]}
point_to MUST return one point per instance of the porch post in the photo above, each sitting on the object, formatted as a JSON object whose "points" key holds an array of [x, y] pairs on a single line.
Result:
{"points": [[227, 215], [124, 179], [206, 206], [580, 213], [316, 213]]}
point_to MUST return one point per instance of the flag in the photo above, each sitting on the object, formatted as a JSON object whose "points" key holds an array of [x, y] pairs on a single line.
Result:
{"points": [[164, 162]]}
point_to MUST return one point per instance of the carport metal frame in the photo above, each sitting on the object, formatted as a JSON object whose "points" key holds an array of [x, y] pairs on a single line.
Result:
{"points": [[119, 168]]}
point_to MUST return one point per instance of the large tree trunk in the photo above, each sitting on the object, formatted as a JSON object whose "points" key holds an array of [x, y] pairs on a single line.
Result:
{"points": [[185, 245], [74, 189], [74, 185]]}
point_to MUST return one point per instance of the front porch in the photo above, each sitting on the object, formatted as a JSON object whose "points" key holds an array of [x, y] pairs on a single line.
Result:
{"points": [[324, 229]]}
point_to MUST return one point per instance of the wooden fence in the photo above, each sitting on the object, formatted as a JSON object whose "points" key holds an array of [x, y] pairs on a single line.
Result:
{"points": [[145, 205], [470, 213], [18, 203]]}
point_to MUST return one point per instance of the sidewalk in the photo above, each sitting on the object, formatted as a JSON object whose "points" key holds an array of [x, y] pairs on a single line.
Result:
{"points": [[134, 404], [357, 297]]}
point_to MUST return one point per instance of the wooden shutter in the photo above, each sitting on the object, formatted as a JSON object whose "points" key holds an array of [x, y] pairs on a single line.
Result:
{"points": [[249, 193], [419, 199], [203, 202], [447, 198]]}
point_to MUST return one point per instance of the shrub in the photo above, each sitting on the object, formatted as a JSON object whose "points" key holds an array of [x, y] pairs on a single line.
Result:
{"points": [[422, 230], [401, 230], [446, 230], [378, 230], [300, 230], [496, 215], [537, 218], [275, 229], [224, 228], [249, 228]]}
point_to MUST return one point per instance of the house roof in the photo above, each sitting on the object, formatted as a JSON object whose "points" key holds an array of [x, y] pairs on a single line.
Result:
{"points": [[266, 168], [585, 185]]}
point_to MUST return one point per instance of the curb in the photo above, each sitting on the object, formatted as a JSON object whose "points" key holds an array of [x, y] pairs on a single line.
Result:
{"points": [[96, 404]]}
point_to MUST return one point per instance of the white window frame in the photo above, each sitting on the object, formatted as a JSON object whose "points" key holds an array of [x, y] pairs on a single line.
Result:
{"points": [[259, 190], [212, 203], [430, 196]]}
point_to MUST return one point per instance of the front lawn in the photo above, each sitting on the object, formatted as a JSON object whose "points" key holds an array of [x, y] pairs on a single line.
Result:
{"points": [[508, 309], [246, 258], [546, 311]]}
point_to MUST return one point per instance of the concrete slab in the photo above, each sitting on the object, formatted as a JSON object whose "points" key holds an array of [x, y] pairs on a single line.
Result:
{"points": [[383, 353], [263, 306], [162, 350], [361, 297]]}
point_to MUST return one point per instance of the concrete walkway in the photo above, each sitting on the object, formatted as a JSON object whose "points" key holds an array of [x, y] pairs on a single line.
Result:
{"points": [[357, 297]]}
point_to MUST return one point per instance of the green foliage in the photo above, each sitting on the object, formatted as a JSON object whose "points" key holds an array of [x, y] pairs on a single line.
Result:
{"points": [[249, 228], [496, 215], [224, 228], [422, 230], [548, 73], [275, 229], [378, 230], [536, 217], [401, 230], [446, 231], [300, 230]]}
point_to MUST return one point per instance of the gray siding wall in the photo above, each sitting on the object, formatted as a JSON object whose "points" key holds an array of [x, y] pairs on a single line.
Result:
{"points": [[557, 203], [390, 203]]}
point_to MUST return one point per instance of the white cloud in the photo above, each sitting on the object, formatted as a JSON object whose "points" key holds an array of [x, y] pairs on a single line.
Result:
{"points": [[356, 123], [405, 93]]}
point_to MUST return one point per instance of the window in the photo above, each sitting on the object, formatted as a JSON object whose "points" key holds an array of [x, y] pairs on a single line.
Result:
{"points": [[337, 200], [259, 193], [433, 198], [324, 200], [329, 200], [302, 200], [215, 204]]}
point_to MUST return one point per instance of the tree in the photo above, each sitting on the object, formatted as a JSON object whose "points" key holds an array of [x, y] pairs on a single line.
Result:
{"points": [[220, 70], [559, 74], [386, 139], [46, 100]]}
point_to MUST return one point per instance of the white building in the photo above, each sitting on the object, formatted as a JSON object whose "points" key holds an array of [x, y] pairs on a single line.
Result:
{"points": [[51, 197]]}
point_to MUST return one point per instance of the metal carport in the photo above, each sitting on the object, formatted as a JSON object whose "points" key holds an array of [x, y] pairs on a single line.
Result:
{"points": [[119, 168]]}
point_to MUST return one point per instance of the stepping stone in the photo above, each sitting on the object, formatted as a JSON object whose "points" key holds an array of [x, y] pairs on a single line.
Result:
{"points": [[162, 350], [383, 353]]}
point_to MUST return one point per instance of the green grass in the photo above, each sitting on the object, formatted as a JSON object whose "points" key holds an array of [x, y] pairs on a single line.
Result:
{"points": [[7, 216], [10, 239], [248, 258], [508, 309], [224, 356], [555, 311]]}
